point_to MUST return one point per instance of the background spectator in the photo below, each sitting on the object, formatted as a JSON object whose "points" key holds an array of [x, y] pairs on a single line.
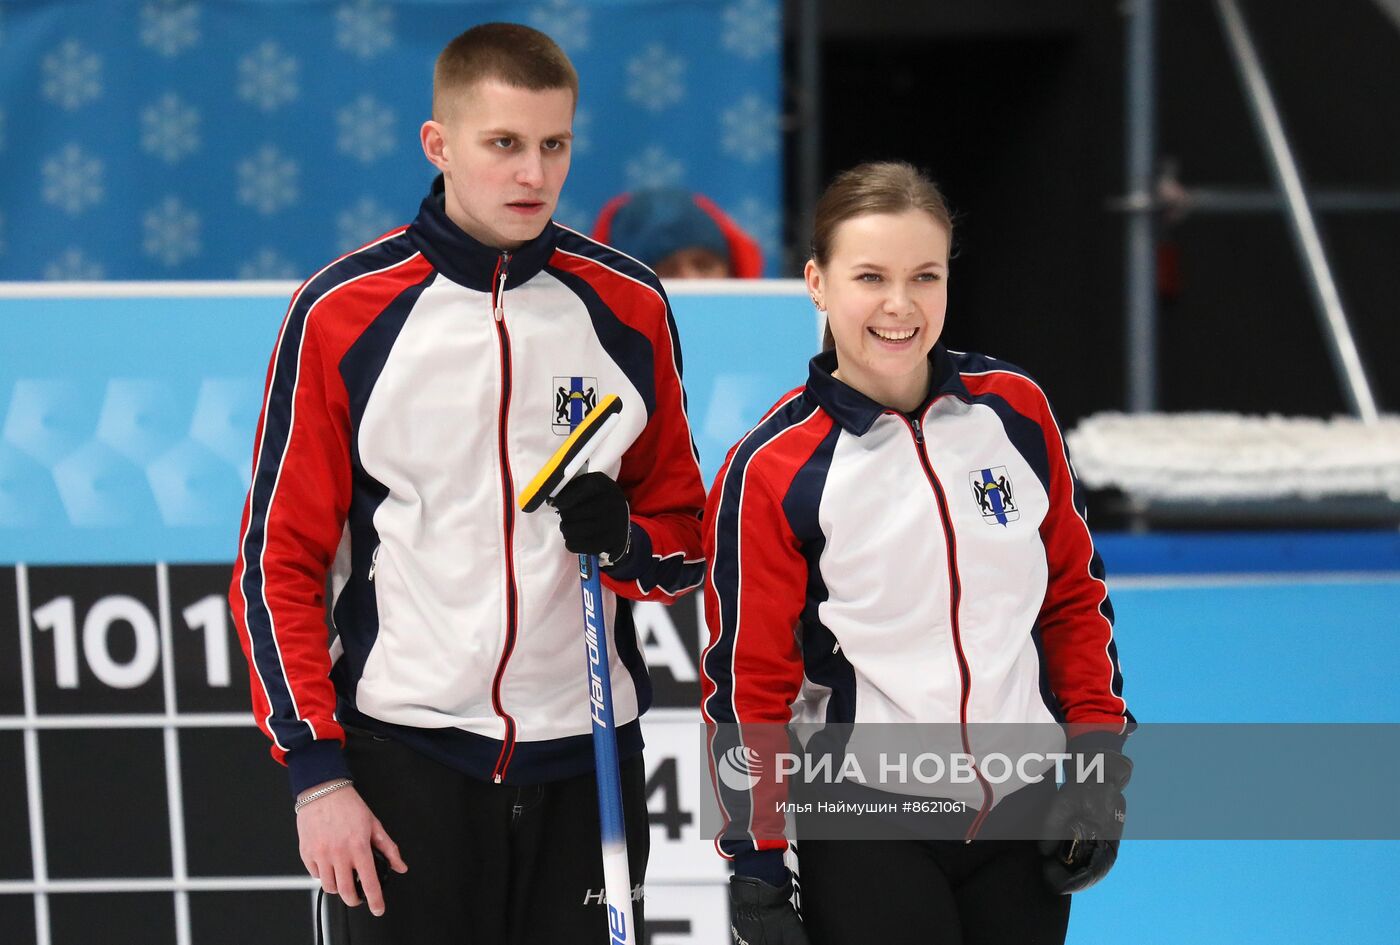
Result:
{"points": [[679, 234]]}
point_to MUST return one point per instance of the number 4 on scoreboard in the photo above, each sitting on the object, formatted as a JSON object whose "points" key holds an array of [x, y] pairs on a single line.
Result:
{"points": [[671, 816]]}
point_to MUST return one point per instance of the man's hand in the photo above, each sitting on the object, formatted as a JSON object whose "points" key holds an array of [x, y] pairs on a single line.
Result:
{"points": [[593, 516], [762, 914], [338, 836], [1084, 827]]}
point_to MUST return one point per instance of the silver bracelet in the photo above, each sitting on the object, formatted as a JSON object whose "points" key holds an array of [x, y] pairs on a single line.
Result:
{"points": [[321, 792], [606, 560]]}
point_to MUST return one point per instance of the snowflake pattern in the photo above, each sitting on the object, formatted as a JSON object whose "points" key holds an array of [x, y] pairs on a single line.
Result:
{"points": [[750, 129], [361, 223], [565, 22], [73, 180], [656, 78], [267, 77], [654, 168], [73, 265], [364, 28], [170, 128], [268, 181], [268, 264], [366, 129], [172, 232], [169, 26], [154, 64], [72, 75], [761, 220], [751, 28]]}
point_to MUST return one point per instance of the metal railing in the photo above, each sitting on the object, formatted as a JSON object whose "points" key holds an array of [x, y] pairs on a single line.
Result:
{"points": [[1143, 201]]}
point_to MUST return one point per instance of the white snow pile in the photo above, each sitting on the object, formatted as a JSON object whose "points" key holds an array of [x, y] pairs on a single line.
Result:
{"points": [[1225, 456]]}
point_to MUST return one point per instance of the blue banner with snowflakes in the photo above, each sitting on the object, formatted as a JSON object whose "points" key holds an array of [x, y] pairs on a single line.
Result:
{"points": [[256, 139]]}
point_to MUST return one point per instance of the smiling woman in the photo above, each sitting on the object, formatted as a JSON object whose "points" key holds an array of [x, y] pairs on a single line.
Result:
{"points": [[879, 268], [976, 596], [884, 288]]}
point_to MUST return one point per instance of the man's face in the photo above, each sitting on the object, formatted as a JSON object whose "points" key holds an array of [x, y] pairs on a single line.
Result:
{"points": [[504, 153]]}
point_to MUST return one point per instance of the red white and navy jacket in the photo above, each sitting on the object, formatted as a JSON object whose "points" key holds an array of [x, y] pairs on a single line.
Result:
{"points": [[870, 566], [417, 384]]}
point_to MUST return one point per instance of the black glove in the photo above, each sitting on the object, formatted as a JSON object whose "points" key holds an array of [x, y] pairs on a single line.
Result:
{"points": [[762, 914], [593, 516], [1085, 825]]}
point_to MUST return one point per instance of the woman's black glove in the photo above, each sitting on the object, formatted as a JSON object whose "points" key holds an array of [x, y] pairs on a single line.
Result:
{"points": [[1085, 825], [762, 914], [594, 518]]}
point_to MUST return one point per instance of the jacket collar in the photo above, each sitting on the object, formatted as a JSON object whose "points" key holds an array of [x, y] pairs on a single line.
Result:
{"points": [[857, 413], [464, 259]]}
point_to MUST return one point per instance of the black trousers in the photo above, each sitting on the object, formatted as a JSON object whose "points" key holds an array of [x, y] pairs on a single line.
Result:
{"points": [[487, 863], [930, 892]]}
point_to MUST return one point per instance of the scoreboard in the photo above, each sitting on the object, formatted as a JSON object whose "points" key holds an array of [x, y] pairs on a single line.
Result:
{"points": [[137, 800], [136, 785]]}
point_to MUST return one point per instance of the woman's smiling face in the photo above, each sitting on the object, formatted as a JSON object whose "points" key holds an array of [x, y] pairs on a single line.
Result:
{"points": [[885, 290]]}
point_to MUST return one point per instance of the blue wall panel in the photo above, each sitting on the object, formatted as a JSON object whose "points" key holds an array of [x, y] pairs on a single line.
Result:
{"points": [[223, 139]]}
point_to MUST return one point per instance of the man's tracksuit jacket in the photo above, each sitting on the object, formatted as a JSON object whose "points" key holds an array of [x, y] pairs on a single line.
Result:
{"points": [[418, 383]]}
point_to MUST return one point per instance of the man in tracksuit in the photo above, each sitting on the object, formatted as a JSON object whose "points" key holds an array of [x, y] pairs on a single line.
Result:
{"points": [[417, 384]]}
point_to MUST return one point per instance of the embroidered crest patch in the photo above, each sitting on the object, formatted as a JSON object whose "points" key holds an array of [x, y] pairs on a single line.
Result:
{"points": [[573, 398], [995, 497]]}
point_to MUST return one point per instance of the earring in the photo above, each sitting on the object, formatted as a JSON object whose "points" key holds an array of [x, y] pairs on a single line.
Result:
{"points": [[818, 304]]}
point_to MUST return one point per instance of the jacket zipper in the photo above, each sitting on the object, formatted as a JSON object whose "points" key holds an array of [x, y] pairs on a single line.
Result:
{"points": [[498, 301], [955, 601]]}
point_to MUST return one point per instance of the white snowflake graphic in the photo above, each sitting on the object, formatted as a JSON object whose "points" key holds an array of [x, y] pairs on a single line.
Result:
{"points": [[267, 77], [169, 26], [751, 28], [656, 78], [366, 129], [172, 232], [761, 220], [361, 223], [73, 180], [268, 181], [564, 21], [170, 128], [750, 129], [72, 265], [364, 28], [72, 75], [268, 264], [654, 168], [583, 131]]}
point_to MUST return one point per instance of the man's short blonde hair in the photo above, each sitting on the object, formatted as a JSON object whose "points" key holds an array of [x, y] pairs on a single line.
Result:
{"points": [[516, 55]]}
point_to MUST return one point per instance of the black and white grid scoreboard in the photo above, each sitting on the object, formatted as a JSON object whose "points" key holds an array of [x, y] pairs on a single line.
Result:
{"points": [[138, 802]]}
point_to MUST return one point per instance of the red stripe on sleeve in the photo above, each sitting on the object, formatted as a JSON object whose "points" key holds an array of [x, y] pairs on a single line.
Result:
{"points": [[304, 517], [757, 584], [1076, 632], [660, 473]]}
